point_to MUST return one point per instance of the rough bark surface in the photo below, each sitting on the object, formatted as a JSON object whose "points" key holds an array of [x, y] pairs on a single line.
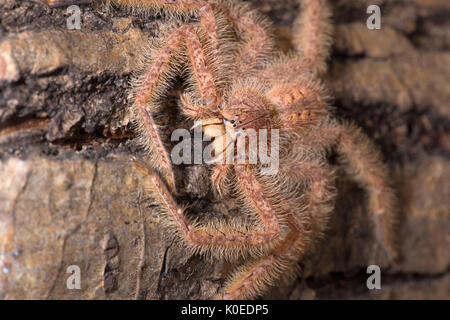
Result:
{"points": [[69, 196]]}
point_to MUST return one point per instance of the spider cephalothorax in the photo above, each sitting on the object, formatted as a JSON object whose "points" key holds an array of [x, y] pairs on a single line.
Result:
{"points": [[237, 81]]}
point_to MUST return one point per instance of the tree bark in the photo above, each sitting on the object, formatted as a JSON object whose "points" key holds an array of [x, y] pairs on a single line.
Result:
{"points": [[69, 196]]}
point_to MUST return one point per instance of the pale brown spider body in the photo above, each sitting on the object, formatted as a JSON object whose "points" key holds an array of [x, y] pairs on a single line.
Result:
{"points": [[239, 81]]}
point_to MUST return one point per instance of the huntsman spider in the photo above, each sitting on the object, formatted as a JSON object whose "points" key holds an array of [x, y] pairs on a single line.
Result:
{"points": [[237, 81]]}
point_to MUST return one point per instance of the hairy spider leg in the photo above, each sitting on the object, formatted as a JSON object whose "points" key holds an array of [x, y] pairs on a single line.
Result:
{"points": [[222, 240], [365, 165], [258, 40], [313, 33], [255, 277], [149, 89]]}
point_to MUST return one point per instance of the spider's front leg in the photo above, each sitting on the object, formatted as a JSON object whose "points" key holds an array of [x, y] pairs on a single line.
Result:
{"points": [[223, 240], [234, 239], [154, 81]]}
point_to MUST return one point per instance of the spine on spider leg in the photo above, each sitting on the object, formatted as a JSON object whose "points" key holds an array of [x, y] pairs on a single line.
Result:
{"points": [[313, 33], [365, 164]]}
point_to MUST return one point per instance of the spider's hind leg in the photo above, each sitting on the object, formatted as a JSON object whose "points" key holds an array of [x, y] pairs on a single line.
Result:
{"points": [[312, 33], [257, 36], [312, 39], [364, 162]]}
